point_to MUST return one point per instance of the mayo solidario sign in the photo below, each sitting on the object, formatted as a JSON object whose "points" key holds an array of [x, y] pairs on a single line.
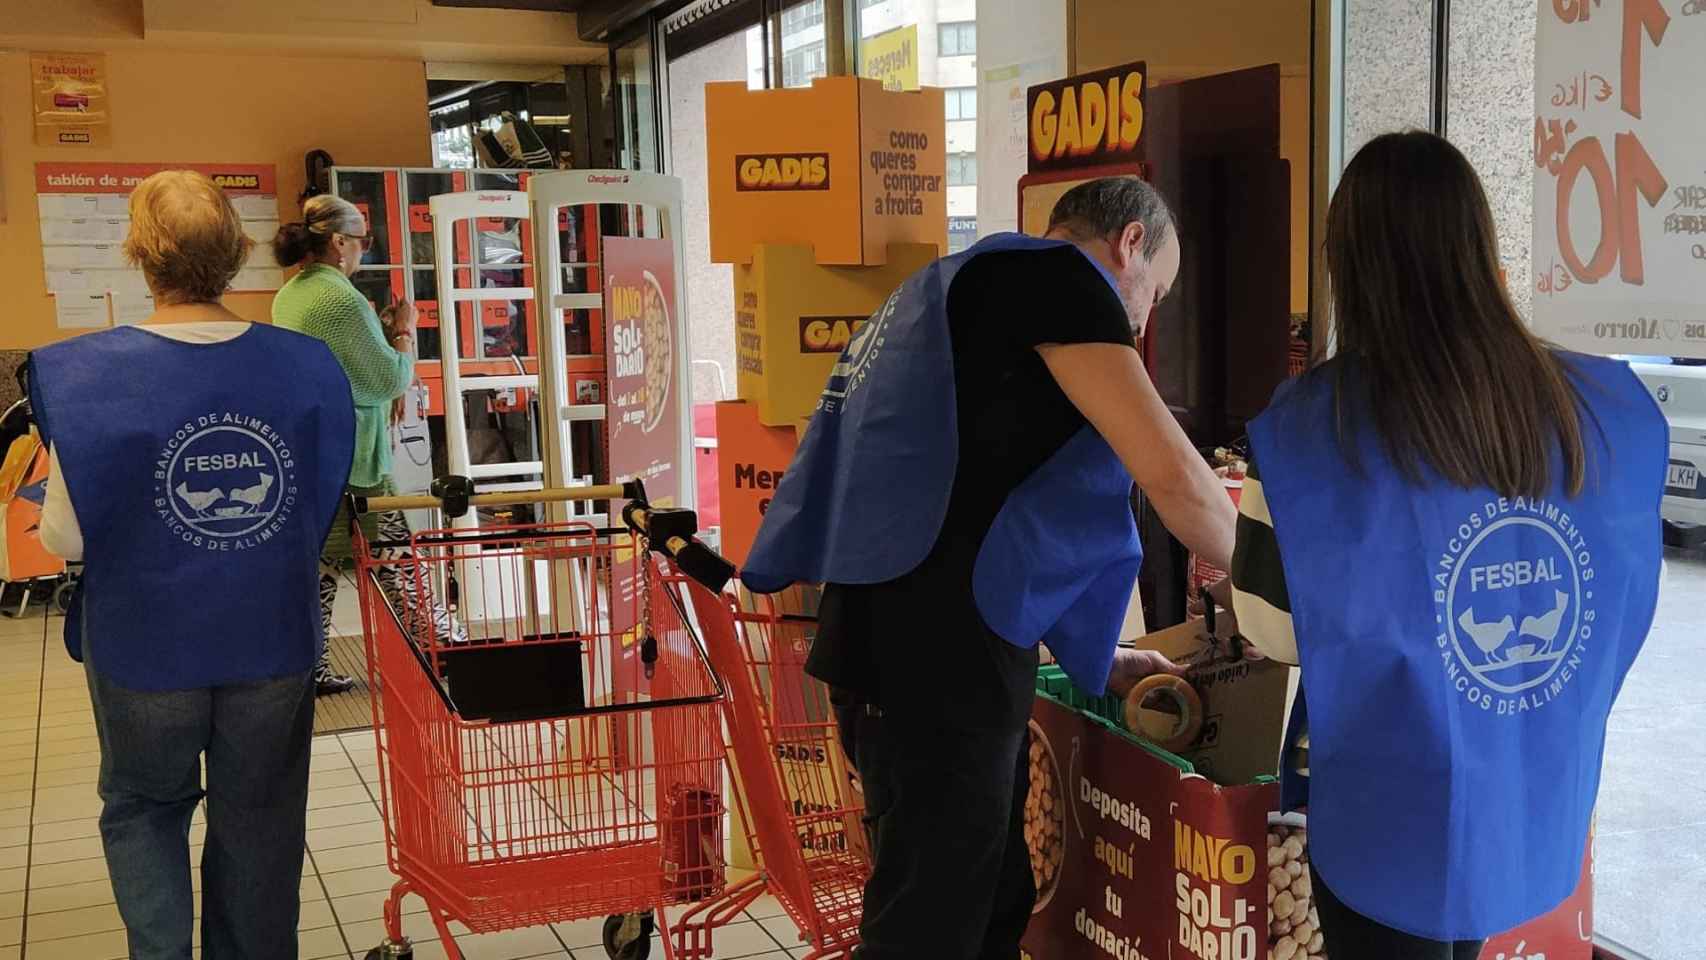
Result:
{"points": [[1090, 120]]}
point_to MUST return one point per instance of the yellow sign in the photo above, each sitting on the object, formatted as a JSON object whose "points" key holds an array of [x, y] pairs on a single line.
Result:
{"points": [[70, 91], [892, 57], [1088, 120], [793, 317], [843, 167]]}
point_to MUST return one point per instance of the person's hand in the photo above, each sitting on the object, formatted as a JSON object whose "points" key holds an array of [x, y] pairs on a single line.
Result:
{"points": [[1132, 666], [399, 319], [1221, 593], [399, 410], [406, 317]]}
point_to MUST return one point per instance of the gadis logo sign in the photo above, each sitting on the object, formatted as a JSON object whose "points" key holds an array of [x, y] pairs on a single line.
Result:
{"points": [[1514, 598], [225, 482], [863, 348]]}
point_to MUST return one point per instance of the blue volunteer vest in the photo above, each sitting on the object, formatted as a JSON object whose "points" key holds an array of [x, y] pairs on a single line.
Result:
{"points": [[864, 499], [205, 478], [1460, 653]]}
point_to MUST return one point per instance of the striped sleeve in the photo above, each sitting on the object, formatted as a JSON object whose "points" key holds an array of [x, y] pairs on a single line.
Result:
{"points": [[1259, 596]]}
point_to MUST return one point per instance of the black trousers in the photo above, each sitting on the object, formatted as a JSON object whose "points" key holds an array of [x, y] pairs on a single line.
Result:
{"points": [[1351, 936], [939, 734], [945, 815]]}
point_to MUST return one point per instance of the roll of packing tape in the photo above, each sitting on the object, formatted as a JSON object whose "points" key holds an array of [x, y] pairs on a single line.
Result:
{"points": [[1182, 694]]}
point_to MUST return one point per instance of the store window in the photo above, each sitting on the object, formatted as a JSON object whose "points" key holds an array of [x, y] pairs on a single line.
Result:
{"points": [[962, 169], [452, 137], [634, 101], [464, 115], [960, 103], [803, 16], [895, 47], [802, 65], [958, 40]]}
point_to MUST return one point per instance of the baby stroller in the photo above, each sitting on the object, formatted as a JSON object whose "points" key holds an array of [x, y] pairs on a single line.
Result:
{"points": [[28, 573]]}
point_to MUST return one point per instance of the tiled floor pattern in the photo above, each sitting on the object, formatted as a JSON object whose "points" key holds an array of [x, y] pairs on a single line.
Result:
{"points": [[56, 902]]}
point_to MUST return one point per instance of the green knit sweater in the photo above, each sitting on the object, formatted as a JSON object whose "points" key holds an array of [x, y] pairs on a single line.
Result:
{"points": [[322, 303]]}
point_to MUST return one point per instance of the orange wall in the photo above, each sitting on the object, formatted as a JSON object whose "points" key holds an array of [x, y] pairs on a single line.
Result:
{"points": [[175, 105]]}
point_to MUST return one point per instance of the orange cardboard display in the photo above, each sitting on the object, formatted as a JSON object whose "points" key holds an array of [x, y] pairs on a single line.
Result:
{"points": [[750, 460], [842, 166], [793, 317]]}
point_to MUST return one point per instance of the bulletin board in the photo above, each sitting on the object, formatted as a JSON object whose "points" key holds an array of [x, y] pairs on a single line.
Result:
{"points": [[85, 213]]}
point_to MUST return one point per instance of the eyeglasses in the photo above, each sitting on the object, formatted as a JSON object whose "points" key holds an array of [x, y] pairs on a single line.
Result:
{"points": [[365, 239]]}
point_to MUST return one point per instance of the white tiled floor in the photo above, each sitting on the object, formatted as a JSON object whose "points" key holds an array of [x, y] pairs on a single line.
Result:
{"points": [[56, 902]]}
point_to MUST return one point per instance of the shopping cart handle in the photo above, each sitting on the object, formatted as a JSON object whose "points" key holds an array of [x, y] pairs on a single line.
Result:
{"points": [[671, 532], [455, 496]]}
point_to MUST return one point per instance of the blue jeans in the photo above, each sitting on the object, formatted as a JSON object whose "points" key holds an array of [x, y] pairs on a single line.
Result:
{"points": [[256, 738]]}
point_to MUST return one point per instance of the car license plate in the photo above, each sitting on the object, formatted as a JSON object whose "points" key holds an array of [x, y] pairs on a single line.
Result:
{"points": [[1683, 478]]}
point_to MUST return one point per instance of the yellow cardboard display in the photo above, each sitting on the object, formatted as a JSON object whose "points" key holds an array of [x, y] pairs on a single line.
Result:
{"points": [[793, 317], [842, 167]]}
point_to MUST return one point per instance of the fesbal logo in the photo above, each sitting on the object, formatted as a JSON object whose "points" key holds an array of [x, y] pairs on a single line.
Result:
{"points": [[1514, 598], [782, 171], [225, 482]]}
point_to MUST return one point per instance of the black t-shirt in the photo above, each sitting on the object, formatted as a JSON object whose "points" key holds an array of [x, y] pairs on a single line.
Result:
{"points": [[1012, 418]]}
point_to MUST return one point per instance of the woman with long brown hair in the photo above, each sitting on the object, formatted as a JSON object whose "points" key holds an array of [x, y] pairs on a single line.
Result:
{"points": [[1454, 529]]}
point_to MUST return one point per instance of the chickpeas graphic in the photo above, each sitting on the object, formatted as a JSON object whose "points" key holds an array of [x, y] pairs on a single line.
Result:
{"points": [[1294, 927], [1045, 823], [657, 341]]}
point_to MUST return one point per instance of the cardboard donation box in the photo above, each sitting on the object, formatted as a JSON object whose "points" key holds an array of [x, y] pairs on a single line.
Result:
{"points": [[1244, 703], [843, 167], [751, 458], [793, 318], [1144, 853], [1135, 854]]}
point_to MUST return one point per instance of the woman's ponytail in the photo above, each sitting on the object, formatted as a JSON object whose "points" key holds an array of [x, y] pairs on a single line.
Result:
{"points": [[294, 244]]}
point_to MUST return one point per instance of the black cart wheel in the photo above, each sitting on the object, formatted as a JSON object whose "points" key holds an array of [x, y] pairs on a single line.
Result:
{"points": [[62, 597], [386, 951], [628, 936]]}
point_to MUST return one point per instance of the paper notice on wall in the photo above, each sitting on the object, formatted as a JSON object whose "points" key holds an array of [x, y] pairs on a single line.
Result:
{"points": [[130, 309], [85, 232], [71, 281], [70, 99], [1002, 128], [1619, 192], [58, 206], [81, 310], [103, 257], [85, 209], [257, 208], [261, 231]]}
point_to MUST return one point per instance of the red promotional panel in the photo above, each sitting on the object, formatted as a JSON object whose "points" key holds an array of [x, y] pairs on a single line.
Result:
{"points": [[238, 179], [1133, 859], [641, 401]]}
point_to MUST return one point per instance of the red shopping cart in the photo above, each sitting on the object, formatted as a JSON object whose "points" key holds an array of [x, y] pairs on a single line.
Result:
{"points": [[533, 769], [796, 791]]}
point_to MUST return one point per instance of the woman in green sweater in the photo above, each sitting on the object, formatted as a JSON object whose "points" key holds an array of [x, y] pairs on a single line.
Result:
{"points": [[377, 353]]}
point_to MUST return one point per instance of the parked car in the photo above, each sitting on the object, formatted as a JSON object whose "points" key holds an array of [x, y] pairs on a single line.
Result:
{"points": [[1680, 390]]}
